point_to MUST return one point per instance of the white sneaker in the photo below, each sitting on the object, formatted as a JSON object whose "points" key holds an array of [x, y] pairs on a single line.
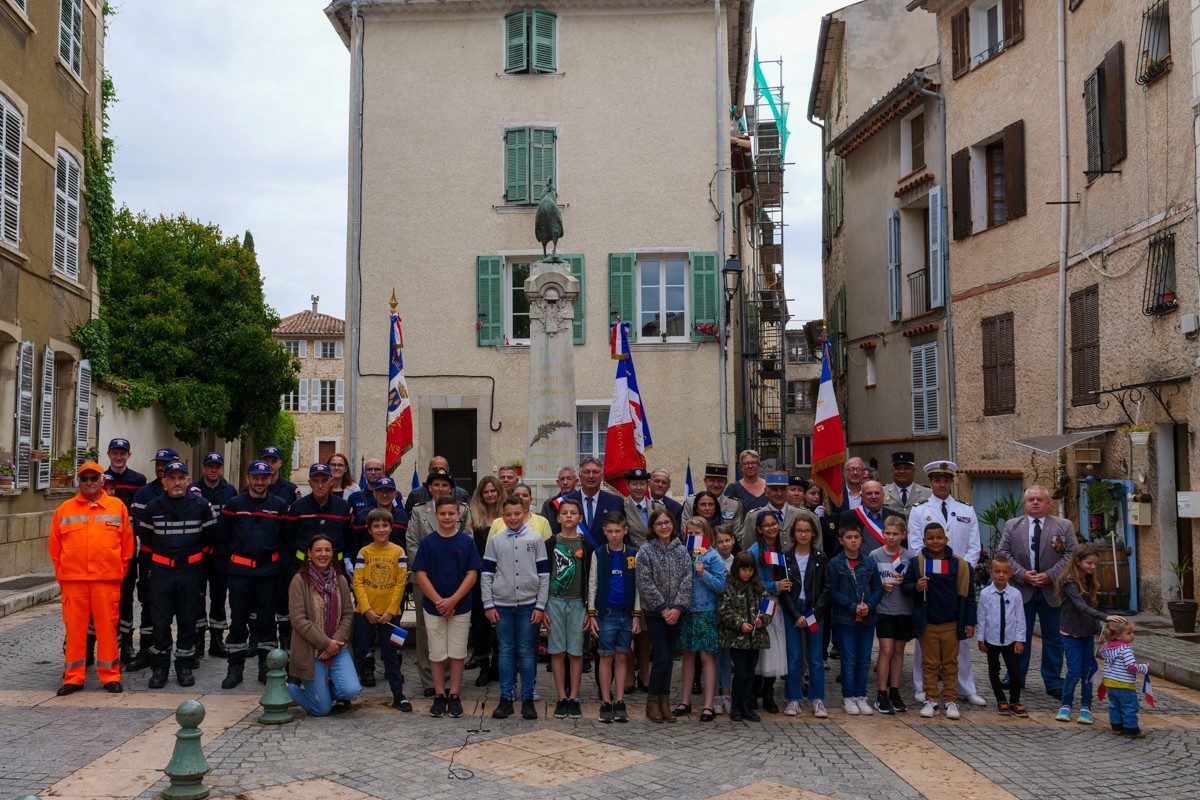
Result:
{"points": [[929, 710], [864, 707], [976, 700], [850, 707], [952, 711], [920, 697], [721, 705], [792, 709], [819, 710]]}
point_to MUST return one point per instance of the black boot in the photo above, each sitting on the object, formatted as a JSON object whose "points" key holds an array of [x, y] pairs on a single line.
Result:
{"points": [[755, 691], [768, 696], [126, 650], [183, 675], [234, 676], [262, 667], [216, 647], [140, 661], [158, 678]]}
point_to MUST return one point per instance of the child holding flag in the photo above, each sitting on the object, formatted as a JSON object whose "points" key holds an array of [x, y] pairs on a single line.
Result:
{"points": [[724, 543], [855, 591], [894, 628], [804, 606], [1080, 622], [698, 628], [744, 611], [776, 579], [941, 587], [1119, 669], [380, 575]]}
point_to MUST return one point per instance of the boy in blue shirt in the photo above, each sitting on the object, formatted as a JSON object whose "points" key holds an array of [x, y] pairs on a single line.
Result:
{"points": [[614, 613]]}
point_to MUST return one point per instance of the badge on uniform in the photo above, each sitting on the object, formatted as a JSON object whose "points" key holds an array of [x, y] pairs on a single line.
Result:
{"points": [[727, 515], [630, 562]]}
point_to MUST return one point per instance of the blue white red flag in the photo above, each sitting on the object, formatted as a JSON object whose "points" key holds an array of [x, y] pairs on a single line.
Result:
{"points": [[766, 606], [937, 566], [829, 437], [398, 637], [810, 620], [628, 435], [1148, 690], [773, 558], [689, 488], [416, 480], [695, 541], [399, 407]]}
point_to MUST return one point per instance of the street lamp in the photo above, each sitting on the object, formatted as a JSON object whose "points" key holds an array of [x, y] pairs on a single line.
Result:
{"points": [[731, 275]]}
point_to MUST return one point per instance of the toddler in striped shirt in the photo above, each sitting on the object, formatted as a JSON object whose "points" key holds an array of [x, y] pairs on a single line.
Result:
{"points": [[1120, 671]]}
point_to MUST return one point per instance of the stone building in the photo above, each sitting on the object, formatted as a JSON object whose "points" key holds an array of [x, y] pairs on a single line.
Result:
{"points": [[318, 403], [803, 373]]}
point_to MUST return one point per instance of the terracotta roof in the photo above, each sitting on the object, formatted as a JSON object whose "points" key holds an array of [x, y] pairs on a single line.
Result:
{"points": [[310, 323]]}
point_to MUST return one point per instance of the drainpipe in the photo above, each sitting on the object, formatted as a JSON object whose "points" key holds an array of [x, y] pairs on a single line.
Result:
{"points": [[1063, 212], [721, 134], [354, 317]]}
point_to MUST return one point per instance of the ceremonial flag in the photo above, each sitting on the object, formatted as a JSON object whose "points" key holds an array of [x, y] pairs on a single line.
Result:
{"points": [[416, 480], [628, 435], [810, 619], [829, 438], [399, 635], [689, 488], [937, 566], [773, 558], [766, 606], [1148, 690], [399, 407], [695, 541]]}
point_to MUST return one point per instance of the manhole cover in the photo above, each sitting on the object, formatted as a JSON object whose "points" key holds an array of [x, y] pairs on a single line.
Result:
{"points": [[24, 582]]}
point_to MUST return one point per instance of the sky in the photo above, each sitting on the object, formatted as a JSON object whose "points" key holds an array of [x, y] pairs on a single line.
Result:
{"points": [[241, 119]]}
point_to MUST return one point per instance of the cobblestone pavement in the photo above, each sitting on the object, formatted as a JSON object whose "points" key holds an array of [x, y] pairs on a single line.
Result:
{"points": [[99, 746]]}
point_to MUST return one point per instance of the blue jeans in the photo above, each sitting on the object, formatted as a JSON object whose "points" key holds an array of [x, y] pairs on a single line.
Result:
{"points": [[1123, 709], [854, 648], [514, 632], [724, 669], [1081, 666], [1052, 645], [314, 696], [802, 646]]}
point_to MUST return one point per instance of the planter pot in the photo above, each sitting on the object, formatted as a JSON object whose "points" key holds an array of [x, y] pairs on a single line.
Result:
{"points": [[60, 481], [1139, 437], [6, 481], [1183, 615], [1168, 298]]}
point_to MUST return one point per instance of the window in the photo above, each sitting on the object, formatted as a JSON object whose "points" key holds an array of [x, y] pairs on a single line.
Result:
{"points": [[996, 208], [926, 404], [297, 347], [327, 395], [800, 397], [592, 425], [1159, 294], [502, 312], [893, 265], [662, 299], [530, 42], [916, 137], [1085, 346], [798, 352], [678, 297], [988, 186], [24, 414], [803, 450], [529, 158], [291, 400], [983, 31], [66, 216], [516, 305], [11, 134], [329, 349], [70, 35], [1154, 47], [999, 365], [325, 449], [1104, 113]]}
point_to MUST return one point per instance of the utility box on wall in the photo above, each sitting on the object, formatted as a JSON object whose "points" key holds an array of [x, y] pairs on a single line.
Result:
{"points": [[1139, 514], [1188, 504]]}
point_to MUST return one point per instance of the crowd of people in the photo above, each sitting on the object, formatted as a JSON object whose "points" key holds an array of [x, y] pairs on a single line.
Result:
{"points": [[744, 583]]}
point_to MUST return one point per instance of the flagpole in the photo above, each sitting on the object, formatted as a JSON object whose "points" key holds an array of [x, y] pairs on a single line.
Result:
{"points": [[393, 303]]}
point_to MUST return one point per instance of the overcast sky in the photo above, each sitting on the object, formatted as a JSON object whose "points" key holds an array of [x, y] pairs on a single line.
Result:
{"points": [[241, 120]]}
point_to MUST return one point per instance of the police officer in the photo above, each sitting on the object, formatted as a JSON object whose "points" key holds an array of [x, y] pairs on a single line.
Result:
{"points": [[251, 531], [213, 487], [178, 526], [280, 486], [902, 494], [962, 530], [137, 507], [716, 478], [123, 483]]}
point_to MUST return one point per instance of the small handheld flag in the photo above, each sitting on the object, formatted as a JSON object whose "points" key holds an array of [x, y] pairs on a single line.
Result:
{"points": [[773, 558], [766, 606], [810, 619], [696, 541], [937, 566], [1148, 690], [398, 637]]}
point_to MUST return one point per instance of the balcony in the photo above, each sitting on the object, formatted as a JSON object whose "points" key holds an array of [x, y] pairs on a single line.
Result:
{"points": [[918, 292]]}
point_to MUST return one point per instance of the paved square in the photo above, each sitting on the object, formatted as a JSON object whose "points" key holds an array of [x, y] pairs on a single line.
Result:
{"points": [[544, 758]]}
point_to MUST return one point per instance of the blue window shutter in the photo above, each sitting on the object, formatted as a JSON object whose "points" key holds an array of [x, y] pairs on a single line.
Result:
{"points": [[705, 295], [893, 267], [489, 300], [580, 329], [544, 55], [516, 165], [937, 250], [516, 52], [621, 286]]}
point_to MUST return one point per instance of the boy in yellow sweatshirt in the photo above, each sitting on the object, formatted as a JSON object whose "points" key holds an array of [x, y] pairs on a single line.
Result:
{"points": [[380, 573]]}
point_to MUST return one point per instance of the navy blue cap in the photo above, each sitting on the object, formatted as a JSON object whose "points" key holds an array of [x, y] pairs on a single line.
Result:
{"points": [[175, 466], [214, 458], [383, 483], [776, 478], [259, 468], [119, 444], [166, 454], [439, 474], [271, 451], [320, 469]]}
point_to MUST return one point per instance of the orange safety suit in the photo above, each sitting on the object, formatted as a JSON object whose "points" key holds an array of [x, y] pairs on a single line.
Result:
{"points": [[91, 544]]}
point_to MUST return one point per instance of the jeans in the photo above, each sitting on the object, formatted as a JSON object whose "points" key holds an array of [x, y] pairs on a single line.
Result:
{"points": [[515, 634], [1052, 645], [1123, 709], [724, 669], [1081, 666], [805, 646], [314, 696], [854, 648], [662, 649], [367, 636]]}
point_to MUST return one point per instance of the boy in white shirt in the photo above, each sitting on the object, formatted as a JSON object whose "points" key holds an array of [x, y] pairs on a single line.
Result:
{"points": [[1001, 634]]}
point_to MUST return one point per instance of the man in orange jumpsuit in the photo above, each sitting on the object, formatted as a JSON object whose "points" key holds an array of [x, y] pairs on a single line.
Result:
{"points": [[91, 543]]}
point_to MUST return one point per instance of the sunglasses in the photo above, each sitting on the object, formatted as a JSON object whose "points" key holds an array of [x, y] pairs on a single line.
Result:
{"points": [[90, 478]]}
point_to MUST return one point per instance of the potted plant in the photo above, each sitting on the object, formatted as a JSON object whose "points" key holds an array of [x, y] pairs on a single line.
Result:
{"points": [[995, 515], [1101, 504], [1183, 612], [8, 470], [1139, 433], [62, 470]]}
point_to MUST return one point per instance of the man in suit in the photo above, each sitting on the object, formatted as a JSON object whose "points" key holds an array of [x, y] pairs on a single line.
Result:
{"points": [[854, 474], [595, 501], [660, 484], [716, 478], [1040, 547], [639, 506], [567, 480], [870, 516], [902, 494], [962, 530], [777, 486], [420, 496]]}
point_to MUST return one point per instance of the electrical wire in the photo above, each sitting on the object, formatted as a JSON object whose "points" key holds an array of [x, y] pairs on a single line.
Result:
{"points": [[461, 773]]}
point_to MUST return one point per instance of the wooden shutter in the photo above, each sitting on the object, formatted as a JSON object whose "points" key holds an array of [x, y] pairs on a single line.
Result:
{"points": [[1014, 22], [516, 165], [302, 406], [516, 53], [926, 411], [541, 162], [937, 252], [960, 43], [338, 349], [621, 288], [933, 409], [303, 348], [1091, 116], [339, 402], [916, 359], [45, 438], [1014, 169], [893, 265], [70, 35], [1113, 119], [11, 134], [66, 215], [988, 325], [543, 36], [998, 365], [960, 184], [1085, 345], [579, 330], [489, 300], [25, 364], [83, 409], [706, 308]]}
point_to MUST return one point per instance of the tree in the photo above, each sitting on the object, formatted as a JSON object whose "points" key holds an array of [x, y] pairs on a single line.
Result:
{"points": [[248, 241], [190, 328]]}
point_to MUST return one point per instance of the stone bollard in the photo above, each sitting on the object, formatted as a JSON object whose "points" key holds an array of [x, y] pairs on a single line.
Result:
{"points": [[276, 698], [187, 766]]}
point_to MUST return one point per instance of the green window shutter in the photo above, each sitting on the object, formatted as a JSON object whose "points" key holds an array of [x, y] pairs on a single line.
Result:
{"points": [[541, 161], [516, 165], [576, 263], [489, 300], [705, 309], [545, 56], [516, 51], [621, 286]]}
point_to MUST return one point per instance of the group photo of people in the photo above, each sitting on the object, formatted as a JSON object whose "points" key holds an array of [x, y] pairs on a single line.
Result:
{"points": [[736, 601]]}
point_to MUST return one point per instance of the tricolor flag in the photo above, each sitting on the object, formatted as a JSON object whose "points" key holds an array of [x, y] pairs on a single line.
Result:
{"points": [[416, 480], [689, 488], [399, 407], [766, 606], [773, 558], [810, 619], [695, 541], [937, 566], [829, 438], [1148, 690], [399, 635], [628, 435]]}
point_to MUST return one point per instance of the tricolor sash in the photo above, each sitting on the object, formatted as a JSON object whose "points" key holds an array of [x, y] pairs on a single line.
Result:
{"points": [[869, 525]]}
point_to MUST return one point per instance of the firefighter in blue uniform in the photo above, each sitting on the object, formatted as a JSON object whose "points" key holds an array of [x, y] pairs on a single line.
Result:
{"points": [[213, 487], [178, 526], [320, 511], [137, 506], [384, 495], [280, 486], [251, 531], [123, 482]]}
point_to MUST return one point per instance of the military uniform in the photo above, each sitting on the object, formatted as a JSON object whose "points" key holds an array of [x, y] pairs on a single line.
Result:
{"points": [[903, 499], [216, 569]]}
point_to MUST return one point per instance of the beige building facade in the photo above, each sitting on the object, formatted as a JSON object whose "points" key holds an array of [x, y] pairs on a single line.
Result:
{"points": [[800, 404], [616, 103]]}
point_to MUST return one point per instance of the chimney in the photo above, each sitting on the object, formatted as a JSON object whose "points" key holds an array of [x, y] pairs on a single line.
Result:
{"points": [[316, 298]]}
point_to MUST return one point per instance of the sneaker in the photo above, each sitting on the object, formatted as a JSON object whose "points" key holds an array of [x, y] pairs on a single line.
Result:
{"points": [[1063, 715], [606, 712], [504, 709], [454, 708], [1134, 733], [402, 703], [952, 711], [819, 710], [897, 701], [1085, 716], [883, 704], [620, 714], [528, 710], [438, 709], [723, 704], [1019, 710], [792, 709], [976, 700], [1004, 710], [426, 692], [574, 710], [537, 698], [919, 697], [560, 709], [864, 707], [929, 709], [850, 707]]}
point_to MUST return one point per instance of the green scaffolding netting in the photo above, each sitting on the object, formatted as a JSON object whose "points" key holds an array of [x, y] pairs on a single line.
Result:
{"points": [[779, 109]]}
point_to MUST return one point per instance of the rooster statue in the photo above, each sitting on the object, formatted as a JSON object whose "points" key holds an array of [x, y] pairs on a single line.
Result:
{"points": [[548, 224]]}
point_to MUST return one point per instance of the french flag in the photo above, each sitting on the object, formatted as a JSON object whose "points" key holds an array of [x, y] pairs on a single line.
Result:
{"points": [[399, 406], [766, 606], [773, 558], [628, 435], [398, 637], [937, 566], [1148, 690], [810, 619], [695, 541], [829, 436]]}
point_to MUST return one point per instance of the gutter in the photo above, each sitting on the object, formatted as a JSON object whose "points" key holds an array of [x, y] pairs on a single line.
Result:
{"points": [[818, 68]]}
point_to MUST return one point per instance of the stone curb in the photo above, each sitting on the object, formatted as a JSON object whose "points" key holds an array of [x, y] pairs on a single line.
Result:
{"points": [[25, 598]]}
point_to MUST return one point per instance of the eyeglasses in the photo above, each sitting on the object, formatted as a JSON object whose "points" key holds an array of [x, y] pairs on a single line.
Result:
{"points": [[663, 523], [89, 478]]}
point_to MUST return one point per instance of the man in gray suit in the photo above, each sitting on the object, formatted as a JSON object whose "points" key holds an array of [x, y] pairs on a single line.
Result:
{"points": [[1040, 548], [902, 493], [639, 506]]}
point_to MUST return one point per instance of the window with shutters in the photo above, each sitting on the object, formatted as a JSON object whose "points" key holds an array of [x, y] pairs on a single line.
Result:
{"points": [[529, 164], [800, 396], [295, 347], [1104, 113], [983, 30], [329, 349], [66, 215], [999, 365], [70, 35], [803, 444], [1154, 46], [988, 182], [591, 423], [1158, 297], [994, 164], [328, 396], [662, 299], [912, 134], [926, 402], [1085, 346], [11, 133], [516, 306], [291, 401], [530, 42]]}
